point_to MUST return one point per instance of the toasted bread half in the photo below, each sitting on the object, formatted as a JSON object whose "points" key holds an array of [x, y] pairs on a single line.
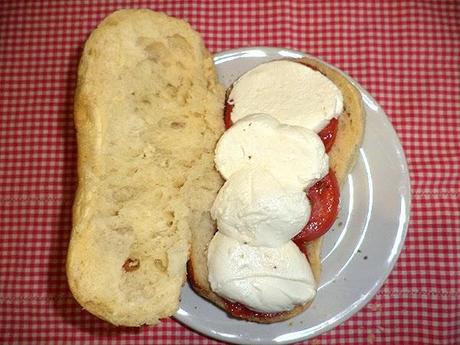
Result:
{"points": [[148, 114], [342, 158]]}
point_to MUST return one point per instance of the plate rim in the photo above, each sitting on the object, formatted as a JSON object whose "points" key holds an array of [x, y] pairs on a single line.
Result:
{"points": [[355, 307]]}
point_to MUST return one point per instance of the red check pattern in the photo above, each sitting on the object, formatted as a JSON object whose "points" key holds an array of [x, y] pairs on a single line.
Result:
{"points": [[407, 54]]}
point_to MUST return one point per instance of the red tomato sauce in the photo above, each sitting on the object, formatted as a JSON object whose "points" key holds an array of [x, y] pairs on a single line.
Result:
{"points": [[240, 310], [329, 133], [228, 115], [324, 197]]}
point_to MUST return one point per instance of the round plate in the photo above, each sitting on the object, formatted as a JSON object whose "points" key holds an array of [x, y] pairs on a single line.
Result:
{"points": [[360, 250]]}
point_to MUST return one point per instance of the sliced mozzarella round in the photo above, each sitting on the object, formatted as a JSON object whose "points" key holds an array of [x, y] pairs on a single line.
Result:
{"points": [[263, 279], [255, 208], [294, 155], [293, 93]]}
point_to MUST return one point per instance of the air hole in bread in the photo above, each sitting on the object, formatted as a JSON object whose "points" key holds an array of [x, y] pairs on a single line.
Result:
{"points": [[171, 90], [123, 194], [179, 182], [197, 115], [156, 52], [165, 163], [171, 122], [168, 215], [158, 195], [132, 172], [124, 229], [131, 265], [177, 125], [180, 65], [169, 219], [186, 164], [178, 42], [160, 265]]}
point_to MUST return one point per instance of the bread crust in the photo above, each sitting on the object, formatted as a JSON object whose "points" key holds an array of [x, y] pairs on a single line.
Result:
{"points": [[342, 157], [148, 115]]}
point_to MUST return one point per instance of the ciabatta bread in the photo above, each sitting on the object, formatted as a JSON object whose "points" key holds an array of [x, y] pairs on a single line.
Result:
{"points": [[148, 113], [341, 159]]}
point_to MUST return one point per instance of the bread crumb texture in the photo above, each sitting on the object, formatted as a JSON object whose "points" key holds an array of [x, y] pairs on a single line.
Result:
{"points": [[148, 112]]}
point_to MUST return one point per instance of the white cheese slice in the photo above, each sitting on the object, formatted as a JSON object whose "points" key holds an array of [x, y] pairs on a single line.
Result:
{"points": [[263, 279], [255, 208], [293, 93], [294, 155]]}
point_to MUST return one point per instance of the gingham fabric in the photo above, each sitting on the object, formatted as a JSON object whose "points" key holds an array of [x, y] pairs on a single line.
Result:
{"points": [[406, 54]]}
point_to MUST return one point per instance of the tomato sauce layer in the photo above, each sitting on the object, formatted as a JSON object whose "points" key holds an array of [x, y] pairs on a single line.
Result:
{"points": [[240, 310]]}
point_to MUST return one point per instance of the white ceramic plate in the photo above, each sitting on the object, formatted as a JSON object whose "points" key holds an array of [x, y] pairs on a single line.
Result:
{"points": [[360, 250]]}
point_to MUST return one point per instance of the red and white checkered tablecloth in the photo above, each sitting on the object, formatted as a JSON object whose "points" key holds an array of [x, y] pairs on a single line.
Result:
{"points": [[407, 54]]}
